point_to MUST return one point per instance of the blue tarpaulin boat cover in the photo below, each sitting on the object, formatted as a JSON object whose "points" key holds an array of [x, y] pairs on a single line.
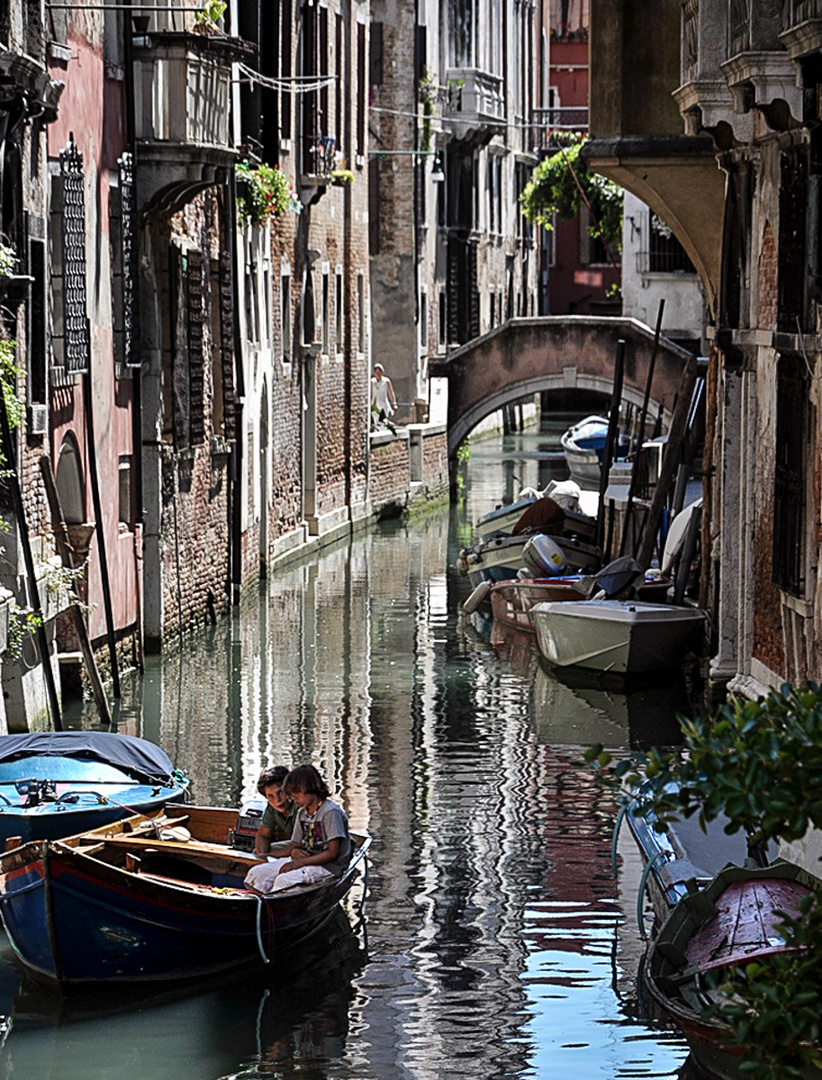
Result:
{"points": [[136, 757]]}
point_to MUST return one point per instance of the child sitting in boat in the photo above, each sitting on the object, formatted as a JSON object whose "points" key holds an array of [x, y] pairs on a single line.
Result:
{"points": [[320, 846], [280, 813]]}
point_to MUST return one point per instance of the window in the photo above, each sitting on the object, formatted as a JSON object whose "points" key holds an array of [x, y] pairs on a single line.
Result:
{"points": [[309, 312], [592, 250], [73, 262], [360, 313], [285, 54], [443, 318], [789, 477], [361, 103], [423, 318], [285, 316], [37, 319], [124, 477], [665, 254], [326, 312], [252, 292], [338, 310], [375, 76]]}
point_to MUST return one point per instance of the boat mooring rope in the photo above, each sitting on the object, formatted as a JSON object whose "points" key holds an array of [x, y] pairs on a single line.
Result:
{"points": [[643, 881], [617, 827], [263, 954]]}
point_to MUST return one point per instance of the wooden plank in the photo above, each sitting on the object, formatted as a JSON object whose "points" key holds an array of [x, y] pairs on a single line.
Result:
{"points": [[189, 848]]}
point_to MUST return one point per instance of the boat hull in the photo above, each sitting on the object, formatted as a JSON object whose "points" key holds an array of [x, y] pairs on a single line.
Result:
{"points": [[732, 921], [81, 923], [512, 601], [501, 557], [616, 636]]}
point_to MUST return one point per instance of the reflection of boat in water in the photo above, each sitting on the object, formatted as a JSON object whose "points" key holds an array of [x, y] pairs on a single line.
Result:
{"points": [[585, 712], [250, 1019]]}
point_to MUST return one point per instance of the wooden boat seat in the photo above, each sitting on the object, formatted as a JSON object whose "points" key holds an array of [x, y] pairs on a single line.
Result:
{"points": [[188, 849]]}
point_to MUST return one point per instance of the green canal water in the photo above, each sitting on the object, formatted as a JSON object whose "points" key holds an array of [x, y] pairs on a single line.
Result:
{"points": [[497, 941]]}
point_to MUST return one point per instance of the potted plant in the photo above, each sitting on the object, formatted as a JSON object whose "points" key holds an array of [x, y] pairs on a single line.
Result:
{"points": [[264, 192], [206, 19], [341, 177]]}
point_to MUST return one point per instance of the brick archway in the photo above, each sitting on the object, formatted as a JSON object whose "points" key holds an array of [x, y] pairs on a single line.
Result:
{"points": [[526, 356]]}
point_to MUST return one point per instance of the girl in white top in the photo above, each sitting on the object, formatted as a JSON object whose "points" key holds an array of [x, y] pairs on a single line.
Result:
{"points": [[382, 392]]}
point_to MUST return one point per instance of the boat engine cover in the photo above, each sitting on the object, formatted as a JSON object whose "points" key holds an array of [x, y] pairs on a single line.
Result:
{"points": [[249, 820], [544, 556]]}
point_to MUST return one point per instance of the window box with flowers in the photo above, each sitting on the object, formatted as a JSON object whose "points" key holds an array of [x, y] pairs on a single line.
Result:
{"points": [[263, 192], [341, 177]]}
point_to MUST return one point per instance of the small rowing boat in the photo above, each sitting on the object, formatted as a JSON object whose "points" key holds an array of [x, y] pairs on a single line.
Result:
{"points": [[153, 898]]}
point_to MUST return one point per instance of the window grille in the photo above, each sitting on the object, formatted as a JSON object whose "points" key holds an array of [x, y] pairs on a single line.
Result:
{"points": [[789, 477], [128, 255], [74, 260]]}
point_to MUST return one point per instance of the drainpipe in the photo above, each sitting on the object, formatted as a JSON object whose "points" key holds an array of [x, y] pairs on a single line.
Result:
{"points": [[235, 494], [813, 244], [137, 374]]}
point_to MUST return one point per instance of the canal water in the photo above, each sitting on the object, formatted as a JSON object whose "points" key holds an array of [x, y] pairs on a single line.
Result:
{"points": [[495, 938]]}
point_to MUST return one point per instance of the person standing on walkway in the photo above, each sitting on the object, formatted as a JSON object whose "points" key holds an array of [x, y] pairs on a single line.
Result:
{"points": [[383, 399]]}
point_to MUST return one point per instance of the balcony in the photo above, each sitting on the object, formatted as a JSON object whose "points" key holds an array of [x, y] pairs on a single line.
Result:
{"points": [[474, 103], [182, 104], [801, 27], [546, 122], [759, 72]]}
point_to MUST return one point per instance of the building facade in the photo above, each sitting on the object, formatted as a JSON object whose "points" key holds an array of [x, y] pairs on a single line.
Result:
{"points": [[455, 89], [713, 124]]}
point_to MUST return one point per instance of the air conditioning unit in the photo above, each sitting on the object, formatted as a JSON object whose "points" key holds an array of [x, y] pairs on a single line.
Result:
{"points": [[38, 419]]}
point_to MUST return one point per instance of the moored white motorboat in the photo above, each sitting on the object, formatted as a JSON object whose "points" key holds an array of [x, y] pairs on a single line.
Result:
{"points": [[623, 637], [563, 495], [583, 445]]}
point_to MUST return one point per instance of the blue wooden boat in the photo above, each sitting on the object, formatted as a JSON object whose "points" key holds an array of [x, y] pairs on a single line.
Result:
{"points": [[57, 783], [157, 899]]}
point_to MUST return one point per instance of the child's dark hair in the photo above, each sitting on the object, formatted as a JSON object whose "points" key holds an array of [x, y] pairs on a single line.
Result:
{"points": [[273, 777], [306, 780]]}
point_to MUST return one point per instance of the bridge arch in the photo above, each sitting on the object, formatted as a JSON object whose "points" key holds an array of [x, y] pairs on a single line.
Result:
{"points": [[528, 356]]}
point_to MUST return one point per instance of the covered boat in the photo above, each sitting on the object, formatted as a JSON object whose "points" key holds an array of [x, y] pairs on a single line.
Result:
{"points": [[623, 637], [583, 445], [731, 922], [55, 783], [153, 899]]}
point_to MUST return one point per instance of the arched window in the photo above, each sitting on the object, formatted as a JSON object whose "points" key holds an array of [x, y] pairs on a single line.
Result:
{"points": [[70, 483]]}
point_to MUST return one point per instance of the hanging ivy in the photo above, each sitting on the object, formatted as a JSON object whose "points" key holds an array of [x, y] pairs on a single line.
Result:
{"points": [[553, 192]]}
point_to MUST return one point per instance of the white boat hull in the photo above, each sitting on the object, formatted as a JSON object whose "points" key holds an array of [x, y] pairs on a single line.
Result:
{"points": [[617, 636]]}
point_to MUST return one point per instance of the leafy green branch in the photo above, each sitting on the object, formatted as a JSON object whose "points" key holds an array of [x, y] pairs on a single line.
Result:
{"points": [[759, 763], [562, 184]]}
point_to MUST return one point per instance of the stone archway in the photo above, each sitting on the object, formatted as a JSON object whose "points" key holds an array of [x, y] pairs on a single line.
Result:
{"points": [[526, 356]]}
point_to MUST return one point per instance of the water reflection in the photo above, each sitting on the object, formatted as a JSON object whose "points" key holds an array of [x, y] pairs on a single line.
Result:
{"points": [[498, 936], [256, 1021]]}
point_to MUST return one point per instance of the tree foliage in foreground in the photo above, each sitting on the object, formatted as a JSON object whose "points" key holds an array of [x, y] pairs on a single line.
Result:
{"points": [[760, 764]]}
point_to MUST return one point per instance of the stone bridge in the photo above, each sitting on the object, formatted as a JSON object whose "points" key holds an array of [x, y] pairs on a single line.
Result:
{"points": [[557, 352]]}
